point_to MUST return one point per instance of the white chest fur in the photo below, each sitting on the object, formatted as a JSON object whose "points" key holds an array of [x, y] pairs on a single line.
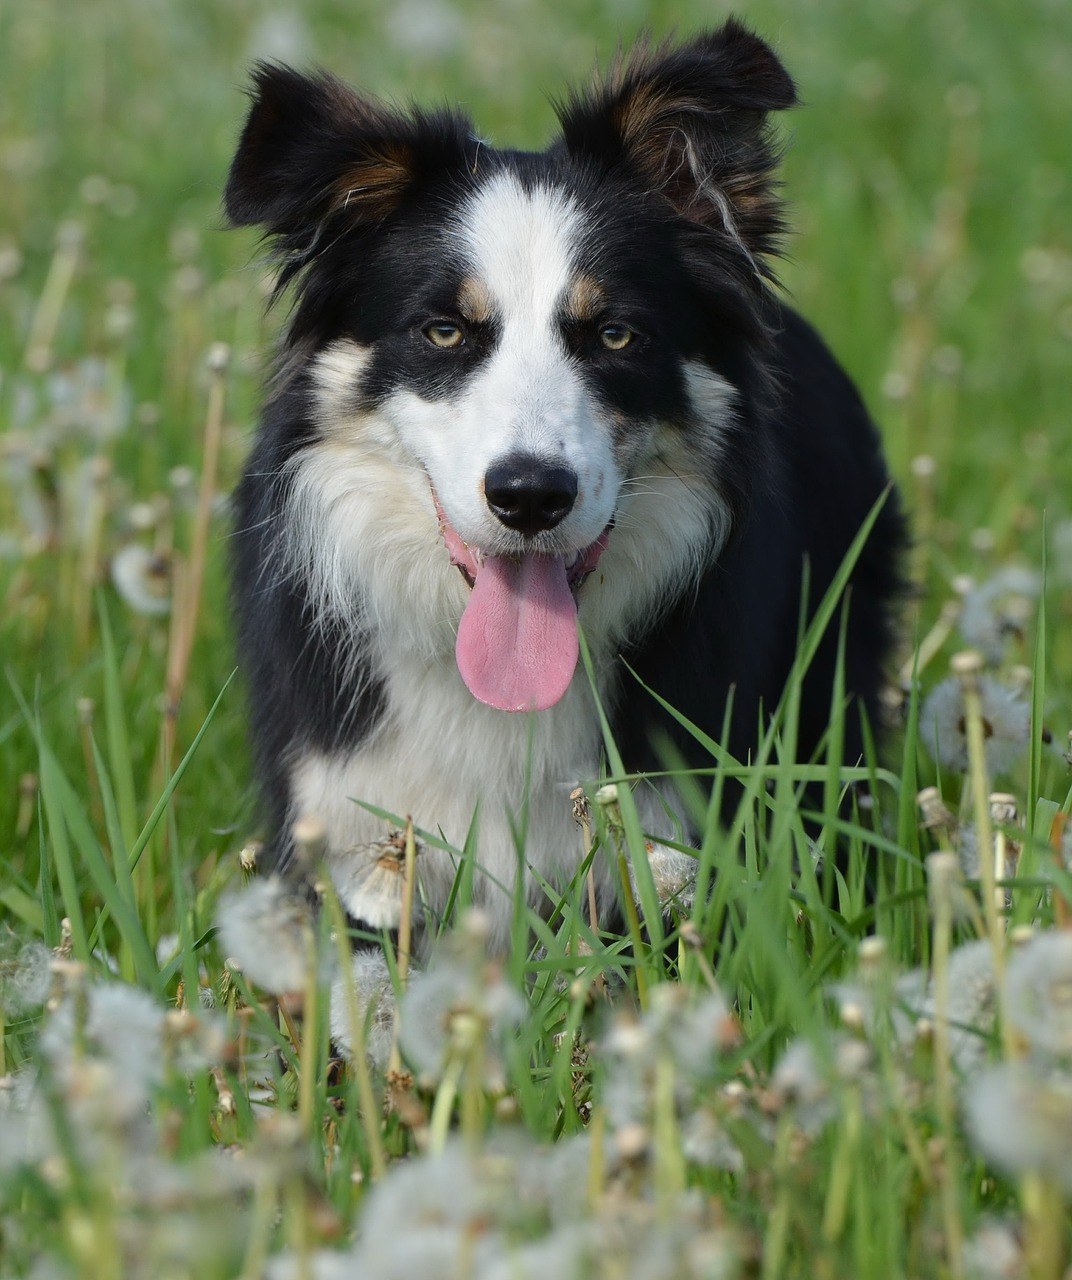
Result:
{"points": [[449, 761]]}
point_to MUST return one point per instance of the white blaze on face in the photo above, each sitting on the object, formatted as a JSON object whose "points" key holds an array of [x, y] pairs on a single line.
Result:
{"points": [[527, 395]]}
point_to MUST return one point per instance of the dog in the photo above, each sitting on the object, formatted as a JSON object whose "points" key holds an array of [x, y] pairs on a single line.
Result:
{"points": [[520, 392]]}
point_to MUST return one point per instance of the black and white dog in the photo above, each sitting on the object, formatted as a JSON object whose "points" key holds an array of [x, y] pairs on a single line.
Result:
{"points": [[520, 391]]}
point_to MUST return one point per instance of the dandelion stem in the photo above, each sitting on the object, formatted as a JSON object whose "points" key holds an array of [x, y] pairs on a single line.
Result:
{"points": [[841, 1175], [359, 1065], [262, 1220], [635, 934], [443, 1106], [967, 667], [405, 937], [1044, 1227], [777, 1232], [310, 1041], [942, 870], [669, 1162]]}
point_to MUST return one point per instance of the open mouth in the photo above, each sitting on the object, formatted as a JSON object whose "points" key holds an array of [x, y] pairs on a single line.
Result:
{"points": [[517, 646]]}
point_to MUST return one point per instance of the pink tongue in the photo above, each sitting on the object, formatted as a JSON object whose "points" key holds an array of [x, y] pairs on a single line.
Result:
{"points": [[517, 640]]}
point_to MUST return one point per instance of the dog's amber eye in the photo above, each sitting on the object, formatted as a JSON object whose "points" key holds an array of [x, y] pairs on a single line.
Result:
{"points": [[443, 334], [615, 336]]}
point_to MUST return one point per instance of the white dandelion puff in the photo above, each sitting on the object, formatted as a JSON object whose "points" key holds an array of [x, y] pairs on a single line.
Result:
{"points": [[999, 608], [808, 1079], [674, 875], [1039, 992], [993, 1252], [264, 928], [1006, 724], [1020, 1118], [461, 990], [375, 999], [972, 1004], [143, 579], [104, 1043], [705, 1142], [25, 975]]}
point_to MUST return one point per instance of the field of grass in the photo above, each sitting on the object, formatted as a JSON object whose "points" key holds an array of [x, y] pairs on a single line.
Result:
{"points": [[762, 1078]]}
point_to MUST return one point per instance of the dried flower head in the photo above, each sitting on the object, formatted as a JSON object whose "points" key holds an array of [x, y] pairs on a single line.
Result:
{"points": [[1006, 724], [371, 881]]}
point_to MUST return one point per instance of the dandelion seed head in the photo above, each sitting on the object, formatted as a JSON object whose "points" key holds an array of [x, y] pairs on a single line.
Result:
{"points": [[459, 992], [1020, 1118], [972, 1005], [123, 1025], [1039, 992], [1006, 724], [375, 997], [25, 974], [673, 873], [993, 1252], [967, 846], [805, 1079], [945, 886], [999, 608], [568, 1253], [705, 1141], [264, 928], [143, 579]]}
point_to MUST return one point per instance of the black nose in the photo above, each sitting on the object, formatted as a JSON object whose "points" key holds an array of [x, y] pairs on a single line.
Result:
{"points": [[529, 495]]}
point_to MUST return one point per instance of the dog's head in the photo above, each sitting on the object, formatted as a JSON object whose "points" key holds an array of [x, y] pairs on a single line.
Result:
{"points": [[555, 338]]}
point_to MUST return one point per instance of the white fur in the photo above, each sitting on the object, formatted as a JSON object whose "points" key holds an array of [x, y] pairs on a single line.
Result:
{"points": [[363, 534], [443, 757]]}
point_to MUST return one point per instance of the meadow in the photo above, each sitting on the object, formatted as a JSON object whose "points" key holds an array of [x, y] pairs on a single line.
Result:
{"points": [[782, 1068]]}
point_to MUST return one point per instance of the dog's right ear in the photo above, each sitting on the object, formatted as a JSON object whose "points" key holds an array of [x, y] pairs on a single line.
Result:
{"points": [[312, 148]]}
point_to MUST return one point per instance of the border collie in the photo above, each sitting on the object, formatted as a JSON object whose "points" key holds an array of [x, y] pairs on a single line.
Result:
{"points": [[520, 391]]}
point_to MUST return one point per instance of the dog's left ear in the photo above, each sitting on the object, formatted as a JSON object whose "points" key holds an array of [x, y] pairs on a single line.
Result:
{"points": [[691, 124]]}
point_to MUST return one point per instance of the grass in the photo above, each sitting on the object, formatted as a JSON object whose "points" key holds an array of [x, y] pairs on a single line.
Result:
{"points": [[766, 1081]]}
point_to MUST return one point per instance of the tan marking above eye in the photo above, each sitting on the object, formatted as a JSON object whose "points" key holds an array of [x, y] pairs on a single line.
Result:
{"points": [[585, 299], [474, 301], [443, 334], [615, 337]]}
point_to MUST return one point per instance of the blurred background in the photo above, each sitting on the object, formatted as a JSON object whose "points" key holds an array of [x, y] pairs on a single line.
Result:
{"points": [[927, 174]]}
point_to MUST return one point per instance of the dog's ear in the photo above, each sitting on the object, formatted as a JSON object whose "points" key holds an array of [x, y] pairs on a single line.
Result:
{"points": [[312, 148], [691, 124]]}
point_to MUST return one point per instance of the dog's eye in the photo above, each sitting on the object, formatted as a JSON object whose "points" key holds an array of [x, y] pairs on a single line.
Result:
{"points": [[443, 334], [615, 337]]}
